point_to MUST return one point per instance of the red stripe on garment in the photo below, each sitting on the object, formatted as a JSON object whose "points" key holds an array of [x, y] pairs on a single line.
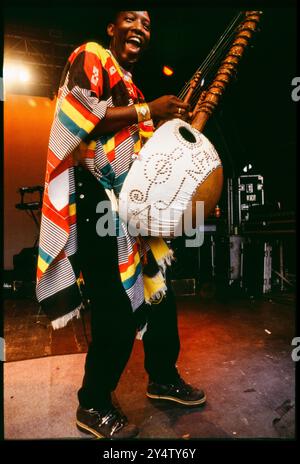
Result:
{"points": [[63, 166], [76, 52], [89, 153], [121, 136], [134, 89], [111, 155], [53, 160], [82, 110], [139, 93], [146, 128], [60, 255], [59, 218], [39, 273], [124, 266], [115, 77], [92, 65], [72, 219]]}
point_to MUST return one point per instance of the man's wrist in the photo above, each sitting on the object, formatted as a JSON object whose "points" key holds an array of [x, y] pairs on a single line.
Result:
{"points": [[143, 112]]}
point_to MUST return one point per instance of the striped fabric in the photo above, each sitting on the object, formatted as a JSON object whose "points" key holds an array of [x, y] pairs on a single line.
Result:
{"points": [[91, 82]]}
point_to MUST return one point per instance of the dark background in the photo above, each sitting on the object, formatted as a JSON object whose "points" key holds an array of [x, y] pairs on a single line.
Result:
{"points": [[256, 120]]}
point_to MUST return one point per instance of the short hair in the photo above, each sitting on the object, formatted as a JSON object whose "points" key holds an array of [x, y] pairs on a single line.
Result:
{"points": [[111, 18], [115, 14]]}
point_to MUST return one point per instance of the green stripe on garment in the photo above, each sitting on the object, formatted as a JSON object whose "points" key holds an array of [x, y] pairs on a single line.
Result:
{"points": [[119, 182], [72, 198], [128, 283], [71, 125], [47, 258], [108, 176]]}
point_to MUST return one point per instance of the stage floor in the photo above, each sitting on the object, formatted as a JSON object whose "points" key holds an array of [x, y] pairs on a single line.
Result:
{"points": [[238, 351]]}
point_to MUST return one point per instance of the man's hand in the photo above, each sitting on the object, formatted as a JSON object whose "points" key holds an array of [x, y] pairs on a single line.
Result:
{"points": [[168, 107], [79, 152], [161, 109]]}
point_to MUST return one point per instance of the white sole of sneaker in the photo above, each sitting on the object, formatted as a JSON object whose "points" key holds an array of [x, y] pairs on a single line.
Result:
{"points": [[176, 400]]}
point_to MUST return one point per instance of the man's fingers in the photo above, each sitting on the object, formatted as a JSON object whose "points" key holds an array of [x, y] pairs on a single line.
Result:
{"points": [[181, 112], [183, 107], [181, 104]]}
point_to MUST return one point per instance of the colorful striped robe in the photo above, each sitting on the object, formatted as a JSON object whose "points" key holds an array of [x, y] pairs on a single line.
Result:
{"points": [[91, 82]]}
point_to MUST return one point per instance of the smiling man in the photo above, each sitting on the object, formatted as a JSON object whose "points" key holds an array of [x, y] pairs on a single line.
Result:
{"points": [[130, 35], [100, 124]]}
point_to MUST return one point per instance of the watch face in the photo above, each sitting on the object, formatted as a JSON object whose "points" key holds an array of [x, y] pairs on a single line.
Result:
{"points": [[143, 110]]}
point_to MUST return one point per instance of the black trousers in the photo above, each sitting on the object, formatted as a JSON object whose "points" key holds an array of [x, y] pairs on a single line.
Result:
{"points": [[113, 322]]}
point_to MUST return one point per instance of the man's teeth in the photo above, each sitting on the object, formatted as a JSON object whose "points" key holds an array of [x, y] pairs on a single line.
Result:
{"points": [[135, 40]]}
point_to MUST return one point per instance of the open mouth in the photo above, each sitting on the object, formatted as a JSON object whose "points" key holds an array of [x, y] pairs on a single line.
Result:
{"points": [[134, 44]]}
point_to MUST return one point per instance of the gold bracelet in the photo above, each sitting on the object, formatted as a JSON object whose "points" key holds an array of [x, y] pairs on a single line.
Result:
{"points": [[142, 111]]}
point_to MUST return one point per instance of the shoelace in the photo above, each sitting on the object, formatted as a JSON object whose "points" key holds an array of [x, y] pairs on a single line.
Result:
{"points": [[111, 415]]}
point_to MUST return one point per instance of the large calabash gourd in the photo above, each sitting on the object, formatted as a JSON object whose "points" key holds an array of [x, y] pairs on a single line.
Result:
{"points": [[179, 167]]}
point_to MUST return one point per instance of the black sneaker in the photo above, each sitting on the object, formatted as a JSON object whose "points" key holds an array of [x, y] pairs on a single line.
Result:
{"points": [[178, 391], [110, 423]]}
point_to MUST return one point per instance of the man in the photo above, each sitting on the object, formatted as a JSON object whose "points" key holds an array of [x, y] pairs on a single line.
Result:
{"points": [[100, 124]]}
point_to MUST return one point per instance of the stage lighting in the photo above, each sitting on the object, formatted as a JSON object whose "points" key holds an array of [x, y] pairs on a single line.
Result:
{"points": [[23, 75], [168, 71], [32, 103], [15, 73]]}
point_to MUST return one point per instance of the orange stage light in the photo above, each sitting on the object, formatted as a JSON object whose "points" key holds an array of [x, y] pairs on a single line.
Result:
{"points": [[168, 71]]}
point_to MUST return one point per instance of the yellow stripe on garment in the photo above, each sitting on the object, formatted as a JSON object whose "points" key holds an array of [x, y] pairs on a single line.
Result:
{"points": [[42, 265], [92, 145], [109, 145], [131, 269], [137, 146], [146, 134], [99, 51], [77, 117], [72, 209]]}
